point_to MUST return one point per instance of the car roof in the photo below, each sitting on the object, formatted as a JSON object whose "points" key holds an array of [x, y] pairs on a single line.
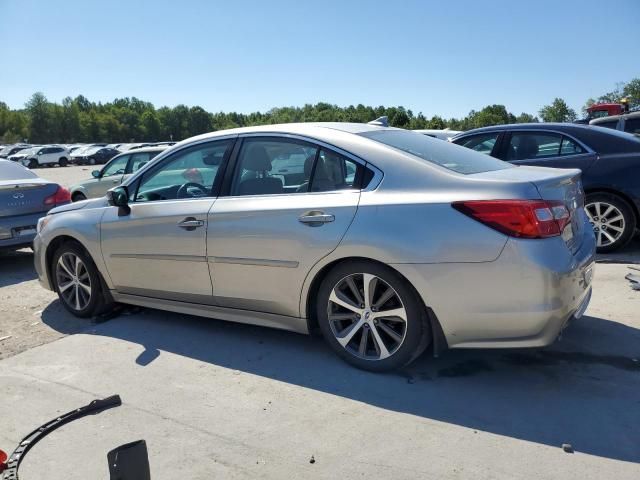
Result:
{"points": [[156, 148]]}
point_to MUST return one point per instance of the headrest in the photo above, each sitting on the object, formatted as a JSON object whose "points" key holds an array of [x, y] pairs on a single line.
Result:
{"points": [[256, 159]]}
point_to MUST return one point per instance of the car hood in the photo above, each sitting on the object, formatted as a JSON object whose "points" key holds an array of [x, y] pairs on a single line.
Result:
{"points": [[92, 203]]}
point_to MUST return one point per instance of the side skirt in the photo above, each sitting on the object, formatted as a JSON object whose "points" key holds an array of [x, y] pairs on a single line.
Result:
{"points": [[293, 324]]}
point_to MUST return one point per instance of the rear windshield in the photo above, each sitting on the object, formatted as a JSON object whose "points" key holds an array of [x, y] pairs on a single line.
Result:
{"points": [[10, 170], [440, 152]]}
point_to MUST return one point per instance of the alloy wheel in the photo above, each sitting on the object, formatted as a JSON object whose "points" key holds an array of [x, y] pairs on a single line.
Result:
{"points": [[607, 222], [74, 282], [367, 316]]}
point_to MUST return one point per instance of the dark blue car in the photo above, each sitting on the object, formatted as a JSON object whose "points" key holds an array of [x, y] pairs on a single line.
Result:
{"points": [[609, 160], [24, 198]]}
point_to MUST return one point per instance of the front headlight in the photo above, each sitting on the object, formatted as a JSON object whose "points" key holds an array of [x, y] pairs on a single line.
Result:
{"points": [[42, 222]]}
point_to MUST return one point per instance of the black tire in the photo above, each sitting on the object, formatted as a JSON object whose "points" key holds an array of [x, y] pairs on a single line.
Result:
{"points": [[78, 197], [625, 210], [33, 163], [417, 334], [63, 162], [100, 300]]}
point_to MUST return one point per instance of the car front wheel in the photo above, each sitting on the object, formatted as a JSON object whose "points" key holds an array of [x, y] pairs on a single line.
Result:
{"points": [[371, 317], [78, 282], [612, 220]]}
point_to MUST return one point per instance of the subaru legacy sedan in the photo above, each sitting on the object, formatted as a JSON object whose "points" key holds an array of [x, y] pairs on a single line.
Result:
{"points": [[385, 240]]}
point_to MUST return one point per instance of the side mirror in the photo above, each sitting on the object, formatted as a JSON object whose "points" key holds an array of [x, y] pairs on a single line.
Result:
{"points": [[119, 197], [95, 174]]}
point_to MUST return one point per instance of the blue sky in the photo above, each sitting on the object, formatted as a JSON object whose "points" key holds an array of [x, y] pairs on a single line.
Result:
{"points": [[442, 58]]}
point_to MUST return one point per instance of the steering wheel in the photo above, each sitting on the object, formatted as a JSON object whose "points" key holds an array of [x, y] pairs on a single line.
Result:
{"points": [[183, 191]]}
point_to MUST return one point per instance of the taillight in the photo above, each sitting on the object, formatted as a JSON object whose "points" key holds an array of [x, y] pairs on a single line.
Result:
{"points": [[519, 218], [61, 196]]}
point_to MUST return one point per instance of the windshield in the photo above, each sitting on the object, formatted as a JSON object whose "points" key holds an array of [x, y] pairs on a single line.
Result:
{"points": [[444, 154]]}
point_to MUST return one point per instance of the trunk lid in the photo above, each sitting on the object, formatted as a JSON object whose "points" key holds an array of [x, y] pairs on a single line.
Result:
{"points": [[556, 185], [23, 197]]}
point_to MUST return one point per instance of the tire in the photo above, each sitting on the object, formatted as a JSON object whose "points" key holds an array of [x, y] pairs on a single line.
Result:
{"points": [[78, 197], [92, 161], [361, 333], [613, 221], [33, 163], [63, 162], [73, 296]]}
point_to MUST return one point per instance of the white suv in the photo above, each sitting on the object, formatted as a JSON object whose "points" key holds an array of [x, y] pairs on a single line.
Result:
{"points": [[50, 155]]}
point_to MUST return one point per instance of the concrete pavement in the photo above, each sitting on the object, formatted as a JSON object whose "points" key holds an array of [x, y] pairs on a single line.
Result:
{"points": [[220, 400]]}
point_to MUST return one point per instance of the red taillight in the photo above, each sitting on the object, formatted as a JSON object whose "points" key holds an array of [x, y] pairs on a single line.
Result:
{"points": [[519, 218], [61, 196]]}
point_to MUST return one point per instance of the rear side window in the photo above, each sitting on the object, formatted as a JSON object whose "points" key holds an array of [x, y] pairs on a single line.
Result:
{"points": [[610, 124], [444, 154], [482, 143], [527, 145], [632, 125], [569, 147], [332, 172]]}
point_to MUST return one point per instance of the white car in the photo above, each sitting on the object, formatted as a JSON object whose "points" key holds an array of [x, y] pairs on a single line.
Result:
{"points": [[445, 134], [48, 155]]}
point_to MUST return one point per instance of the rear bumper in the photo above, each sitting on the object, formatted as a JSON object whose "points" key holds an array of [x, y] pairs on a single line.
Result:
{"points": [[522, 299], [11, 226]]}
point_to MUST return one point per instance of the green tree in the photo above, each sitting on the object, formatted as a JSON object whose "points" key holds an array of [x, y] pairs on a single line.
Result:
{"points": [[558, 111], [39, 115]]}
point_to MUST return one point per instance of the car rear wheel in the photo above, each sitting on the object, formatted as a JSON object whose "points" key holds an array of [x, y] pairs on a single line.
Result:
{"points": [[371, 317], [612, 220], [63, 162], [78, 283]]}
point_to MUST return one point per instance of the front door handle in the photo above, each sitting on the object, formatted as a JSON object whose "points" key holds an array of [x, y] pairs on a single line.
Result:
{"points": [[315, 219], [191, 223]]}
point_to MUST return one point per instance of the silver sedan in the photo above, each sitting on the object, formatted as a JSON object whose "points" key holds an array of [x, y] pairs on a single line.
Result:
{"points": [[385, 240]]}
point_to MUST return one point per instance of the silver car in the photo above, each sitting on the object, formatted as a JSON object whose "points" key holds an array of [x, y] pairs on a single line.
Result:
{"points": [[386, 240], [116, 171]]}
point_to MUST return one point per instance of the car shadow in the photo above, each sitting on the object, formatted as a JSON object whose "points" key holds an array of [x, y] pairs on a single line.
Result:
{"points": [[584, 390], [629, 254], [16, 267]]}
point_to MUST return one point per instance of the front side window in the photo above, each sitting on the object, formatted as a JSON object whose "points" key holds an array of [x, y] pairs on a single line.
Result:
{"points": [[116, 167], [273, 166], [528, 145], [483, 143], [191, 173]]}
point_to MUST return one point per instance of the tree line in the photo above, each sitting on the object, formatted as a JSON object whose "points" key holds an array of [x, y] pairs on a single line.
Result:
{"points": [[133, 120]]}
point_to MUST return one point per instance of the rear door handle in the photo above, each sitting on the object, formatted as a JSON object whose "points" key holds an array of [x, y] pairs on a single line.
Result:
{"points": [[191, 223], [315, 219]]}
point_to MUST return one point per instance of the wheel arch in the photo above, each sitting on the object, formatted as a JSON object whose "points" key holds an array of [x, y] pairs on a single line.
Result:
{"points": [[617, 193], [53, 246], [309, 297]]}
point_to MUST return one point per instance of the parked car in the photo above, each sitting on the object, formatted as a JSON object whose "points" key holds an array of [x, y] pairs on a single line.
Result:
{"points": [[47, 155], [9, 150], [427, 244], [21, 154], [113, 173], [93, 155], [609, 160], [445, 134], [629, 123], [24, 198]]}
